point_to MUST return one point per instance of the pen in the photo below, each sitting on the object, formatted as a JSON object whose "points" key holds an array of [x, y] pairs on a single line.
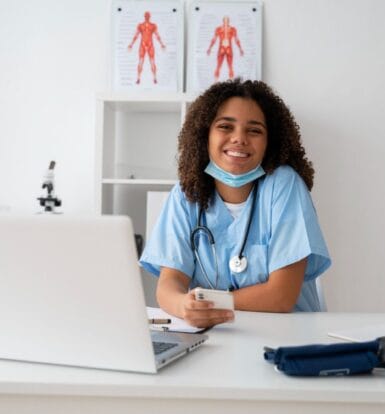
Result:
{"points": [[159, 321]]}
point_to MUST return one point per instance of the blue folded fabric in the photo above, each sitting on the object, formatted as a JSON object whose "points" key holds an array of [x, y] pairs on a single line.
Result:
{"points": [[326, 360]]}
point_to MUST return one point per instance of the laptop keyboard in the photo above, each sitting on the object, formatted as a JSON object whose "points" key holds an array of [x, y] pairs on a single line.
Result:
{"points": [[160, 347]]}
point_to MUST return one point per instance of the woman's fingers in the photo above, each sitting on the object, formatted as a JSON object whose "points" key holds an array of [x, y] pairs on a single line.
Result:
{"points": [[201, 313], [208, 317]]}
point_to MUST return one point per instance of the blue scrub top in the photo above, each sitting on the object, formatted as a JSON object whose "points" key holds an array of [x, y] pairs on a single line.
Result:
{"points": [[284, 230]]}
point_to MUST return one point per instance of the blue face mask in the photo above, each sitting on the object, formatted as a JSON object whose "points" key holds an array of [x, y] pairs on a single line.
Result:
{"points": [[233, 180]]}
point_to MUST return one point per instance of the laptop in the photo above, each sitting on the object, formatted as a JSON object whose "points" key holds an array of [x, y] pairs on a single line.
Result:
{"points": [[71, 294]]}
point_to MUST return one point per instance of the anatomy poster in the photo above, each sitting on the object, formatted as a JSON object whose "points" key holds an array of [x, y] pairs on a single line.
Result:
{"points": [[147, 45], [225, 41]]}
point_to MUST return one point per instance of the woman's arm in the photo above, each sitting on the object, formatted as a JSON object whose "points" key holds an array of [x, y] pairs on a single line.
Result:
{"points": [[278, 294], [174, 297]]}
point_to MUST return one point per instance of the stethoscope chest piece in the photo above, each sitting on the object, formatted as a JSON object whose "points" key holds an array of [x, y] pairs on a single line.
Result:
{"points": [[238, 264]]}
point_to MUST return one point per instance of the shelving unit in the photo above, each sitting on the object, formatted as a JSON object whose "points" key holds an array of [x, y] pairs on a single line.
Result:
{"points": [[135, 152], [136, 147], [136, 144]]}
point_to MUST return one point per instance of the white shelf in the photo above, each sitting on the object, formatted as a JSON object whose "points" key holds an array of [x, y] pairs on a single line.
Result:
{"points": [[136, 148], [143, 106], [135, 153], [138, 181], [145, 97], [150, 102]]}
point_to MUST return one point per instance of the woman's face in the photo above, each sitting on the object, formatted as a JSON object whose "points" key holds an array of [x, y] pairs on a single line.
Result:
{"points": [[238, 136]]}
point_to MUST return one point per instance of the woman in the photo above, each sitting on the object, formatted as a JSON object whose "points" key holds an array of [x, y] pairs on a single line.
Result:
{"points": [[244, 175]]}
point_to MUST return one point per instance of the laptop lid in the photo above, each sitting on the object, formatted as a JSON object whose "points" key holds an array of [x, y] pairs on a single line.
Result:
{"points": [[71, 293]]}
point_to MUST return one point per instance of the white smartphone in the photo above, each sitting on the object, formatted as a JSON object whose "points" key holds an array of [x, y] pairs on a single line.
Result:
{"points": [[223, 299]]}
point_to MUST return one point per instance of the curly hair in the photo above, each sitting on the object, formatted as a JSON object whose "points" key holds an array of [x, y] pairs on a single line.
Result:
{"points": [[283, 137]]}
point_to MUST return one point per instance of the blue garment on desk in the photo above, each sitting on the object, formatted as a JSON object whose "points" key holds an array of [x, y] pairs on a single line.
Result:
{"points": [[283, 231], [325, 360]]}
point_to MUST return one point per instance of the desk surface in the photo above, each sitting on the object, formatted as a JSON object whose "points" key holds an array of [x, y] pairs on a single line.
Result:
{"points": [[230, 366]]}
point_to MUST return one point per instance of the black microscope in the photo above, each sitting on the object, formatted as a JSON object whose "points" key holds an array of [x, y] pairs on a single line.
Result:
{"points": [[50, 201]]}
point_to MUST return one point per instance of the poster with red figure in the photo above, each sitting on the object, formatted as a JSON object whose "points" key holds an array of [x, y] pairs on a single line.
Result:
{"points": [[225, 41], [147, 45]]}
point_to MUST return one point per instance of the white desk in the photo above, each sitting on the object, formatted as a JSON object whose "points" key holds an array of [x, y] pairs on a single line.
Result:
{"points": [[227, 375]]}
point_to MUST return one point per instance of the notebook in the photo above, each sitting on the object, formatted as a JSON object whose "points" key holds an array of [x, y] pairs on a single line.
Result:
{"points": [[175, 325], [71, 294]]}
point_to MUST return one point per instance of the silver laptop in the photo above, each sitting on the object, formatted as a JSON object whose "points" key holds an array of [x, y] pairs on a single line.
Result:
{"points": [[71, 294]]}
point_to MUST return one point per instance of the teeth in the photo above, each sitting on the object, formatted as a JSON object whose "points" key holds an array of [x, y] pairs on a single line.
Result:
{"points": [[237, 154]]}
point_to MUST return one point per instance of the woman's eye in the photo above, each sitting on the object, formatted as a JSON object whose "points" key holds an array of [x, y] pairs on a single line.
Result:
{"points": [[255, 131], [224, 127]]}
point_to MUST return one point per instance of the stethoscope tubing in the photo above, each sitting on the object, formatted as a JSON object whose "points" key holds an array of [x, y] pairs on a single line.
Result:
{"points": [[205, 230], [204, 271]]}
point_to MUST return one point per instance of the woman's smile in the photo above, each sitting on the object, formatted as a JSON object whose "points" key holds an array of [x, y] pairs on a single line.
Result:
{"points": [[236, 154]]}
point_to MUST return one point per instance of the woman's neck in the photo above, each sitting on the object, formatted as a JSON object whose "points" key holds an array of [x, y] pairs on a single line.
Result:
{"points": [[233, 195]]}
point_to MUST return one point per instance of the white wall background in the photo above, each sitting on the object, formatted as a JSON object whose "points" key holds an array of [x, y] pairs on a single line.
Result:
{"points": [[326, 58]]}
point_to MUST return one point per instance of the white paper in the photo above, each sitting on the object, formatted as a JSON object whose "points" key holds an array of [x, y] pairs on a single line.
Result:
{"points": [[177, 324], [158, 41], [363, 333]]}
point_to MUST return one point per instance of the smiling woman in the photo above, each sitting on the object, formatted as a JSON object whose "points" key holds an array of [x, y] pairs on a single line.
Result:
{"points": [[241, 217]]}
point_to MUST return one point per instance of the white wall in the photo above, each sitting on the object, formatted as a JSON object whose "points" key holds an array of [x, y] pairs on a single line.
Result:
{"points": [[326, 58], [53, 60]]}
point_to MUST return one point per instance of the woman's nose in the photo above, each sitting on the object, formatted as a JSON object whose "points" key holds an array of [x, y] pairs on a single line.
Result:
{"points": [[239, 137]]}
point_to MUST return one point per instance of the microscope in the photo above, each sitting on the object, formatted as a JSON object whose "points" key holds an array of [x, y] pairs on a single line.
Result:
{"points": [[49, 202]]}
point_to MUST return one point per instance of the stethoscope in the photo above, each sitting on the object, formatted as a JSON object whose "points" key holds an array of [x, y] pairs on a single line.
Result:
{"points": [[238, 263]]}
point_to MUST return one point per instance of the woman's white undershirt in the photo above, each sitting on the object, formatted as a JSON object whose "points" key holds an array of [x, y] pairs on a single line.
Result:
{"points": [[235, 209]]}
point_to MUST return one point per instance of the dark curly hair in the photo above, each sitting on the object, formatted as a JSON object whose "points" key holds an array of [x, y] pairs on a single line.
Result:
{"points": [[283, 137]]}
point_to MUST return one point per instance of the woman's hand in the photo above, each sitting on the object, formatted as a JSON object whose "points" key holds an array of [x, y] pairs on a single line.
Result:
{"points": [[201, 313], [174, 297]]}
